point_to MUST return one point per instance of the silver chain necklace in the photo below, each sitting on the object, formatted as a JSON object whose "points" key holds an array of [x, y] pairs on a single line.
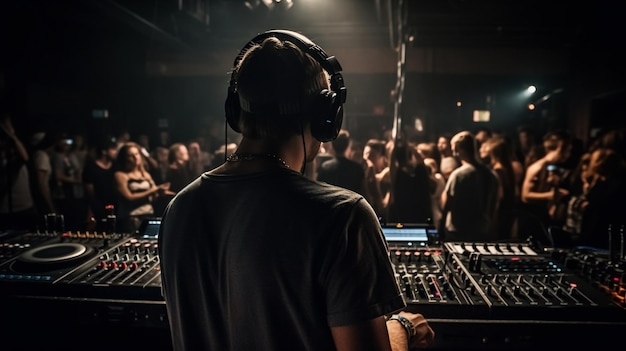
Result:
{"points": [[251, 157]]}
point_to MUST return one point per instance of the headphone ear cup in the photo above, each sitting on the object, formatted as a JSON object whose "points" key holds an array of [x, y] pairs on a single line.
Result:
{"points": [[232, 109], [327, 116]]}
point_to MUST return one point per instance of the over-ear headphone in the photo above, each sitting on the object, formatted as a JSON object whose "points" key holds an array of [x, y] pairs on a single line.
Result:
{"points": [[328, 106]]}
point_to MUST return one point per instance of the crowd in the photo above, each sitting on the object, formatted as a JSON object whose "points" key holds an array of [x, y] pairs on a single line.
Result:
{"points": [[479, 185], [110, 182], [485, 185]]}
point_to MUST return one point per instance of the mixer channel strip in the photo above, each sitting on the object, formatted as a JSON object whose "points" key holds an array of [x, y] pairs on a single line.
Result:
{"points": [[526, 284], [132, 264], [428, 287]]}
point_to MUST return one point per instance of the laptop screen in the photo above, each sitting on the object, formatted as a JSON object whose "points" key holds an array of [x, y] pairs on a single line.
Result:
{"points": [[409, 235], [149, 228]]}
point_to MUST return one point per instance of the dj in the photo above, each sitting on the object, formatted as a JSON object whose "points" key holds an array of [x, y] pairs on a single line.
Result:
{"points": [[256, 256]]}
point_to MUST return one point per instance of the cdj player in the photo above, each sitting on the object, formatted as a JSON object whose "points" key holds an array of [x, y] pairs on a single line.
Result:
{"points": [[82, 291]]}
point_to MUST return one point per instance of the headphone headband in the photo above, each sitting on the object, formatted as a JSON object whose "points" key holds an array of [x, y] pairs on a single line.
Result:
{"points": [[330, 105]]}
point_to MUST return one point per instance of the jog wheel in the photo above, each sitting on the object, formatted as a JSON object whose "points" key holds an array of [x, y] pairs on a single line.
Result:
{"points": [[52, 257]]}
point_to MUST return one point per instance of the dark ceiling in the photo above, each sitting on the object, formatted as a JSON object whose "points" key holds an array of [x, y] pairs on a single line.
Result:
{"points": [[207, 24]]}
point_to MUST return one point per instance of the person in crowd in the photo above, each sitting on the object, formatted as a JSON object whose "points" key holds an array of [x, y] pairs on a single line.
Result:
{"points": [[340, 170], [604, 193], [516, 163], [429, 150], [312, 253], [411, 186], [77, 154], [355, 151], [79, 149], [206, 156], [178, 172], [197, 163], [470, 197], [529, 149], [498, 154], [374, 151], [325, 153], [376, 162], [448, 164], [484, 152], [435, 196], [44, 143], [577, 202], [443, 146], [384, 177], [482, 134], [178, 175], [542, 191], [66, 186], [98, 181], [143, 140], [531, 145], [614, 139], [159, 173], [135, 188], [17, 205]]}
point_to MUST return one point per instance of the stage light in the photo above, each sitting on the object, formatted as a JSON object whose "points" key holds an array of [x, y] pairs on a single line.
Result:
{"points": [[251, 5], [285, 4]]}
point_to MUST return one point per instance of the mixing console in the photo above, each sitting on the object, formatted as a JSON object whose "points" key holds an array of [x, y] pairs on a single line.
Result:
{"points": [[507, 295], [475, 295]]}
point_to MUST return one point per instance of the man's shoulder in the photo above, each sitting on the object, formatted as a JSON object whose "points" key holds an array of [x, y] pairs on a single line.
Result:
{"points": [[329, 163], [346, 163], [354, 164], [537, 165]]}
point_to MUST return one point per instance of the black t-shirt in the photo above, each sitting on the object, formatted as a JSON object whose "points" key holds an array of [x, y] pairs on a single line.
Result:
{"points": [[343, 172], [270, 261], [103, 186]]}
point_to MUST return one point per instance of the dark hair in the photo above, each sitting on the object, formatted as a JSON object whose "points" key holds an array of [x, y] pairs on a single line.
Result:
{"points": [[277, 73], [377, 145], [171, 157], [464, 142], [122, 157], [340, 145], [551, 139], [103, 144]]}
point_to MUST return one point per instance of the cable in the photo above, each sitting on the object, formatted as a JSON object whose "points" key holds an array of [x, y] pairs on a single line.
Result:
{"points": [[303, 168]]}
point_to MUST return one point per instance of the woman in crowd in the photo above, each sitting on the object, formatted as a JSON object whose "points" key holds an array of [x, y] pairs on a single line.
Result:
{"points": [[499, 158], [604, 190], [136, 188]]}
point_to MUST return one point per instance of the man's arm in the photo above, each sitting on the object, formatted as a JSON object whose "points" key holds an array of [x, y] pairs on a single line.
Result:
{"points": [[371, 335], [8, 129], [381, 335]]}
